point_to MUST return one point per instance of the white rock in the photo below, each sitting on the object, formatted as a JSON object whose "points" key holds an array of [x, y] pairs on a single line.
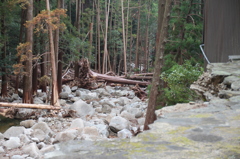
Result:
{"points": [[62, 102], [42, 126], [1, 136], [77, 123], [102, 92], [64, 95], [74, 99], [74, 88], [1, 150], [42, 96], [17, 157], [32, 150], [90, 133], [141, 121], [14, 131], [103, 130], [125, 133], [24, 112], [107, 101], [39, 134], [27, 123], [82, 109], [24, 139], [47, 148], [127, 115], [67, 135], [12, 143], [119, 123], [66, 89], [15, 97]]}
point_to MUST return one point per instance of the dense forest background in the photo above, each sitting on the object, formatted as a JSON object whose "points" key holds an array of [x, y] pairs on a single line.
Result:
{"points": [[40, 40]]}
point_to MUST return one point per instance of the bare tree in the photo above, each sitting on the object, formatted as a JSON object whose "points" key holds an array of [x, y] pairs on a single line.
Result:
{"points": [[124, 41], [164, 8]]}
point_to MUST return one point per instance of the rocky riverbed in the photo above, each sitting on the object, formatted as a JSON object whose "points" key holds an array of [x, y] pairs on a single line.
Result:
{"points": [[102, 123]]}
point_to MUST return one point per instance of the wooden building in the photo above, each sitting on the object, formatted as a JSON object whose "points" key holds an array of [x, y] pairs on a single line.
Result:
{"points": [[221, 29]]}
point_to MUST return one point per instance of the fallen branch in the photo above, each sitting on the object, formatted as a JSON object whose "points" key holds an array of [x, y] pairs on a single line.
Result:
{"points": [[114, 79], [32, 106]]}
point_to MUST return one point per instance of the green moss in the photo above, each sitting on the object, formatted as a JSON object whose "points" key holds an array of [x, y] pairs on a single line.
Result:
{"points": [[201, 116], [180, 129], [181, 140]]}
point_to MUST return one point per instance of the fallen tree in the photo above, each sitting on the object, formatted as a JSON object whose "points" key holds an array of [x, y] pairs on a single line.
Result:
{"points": [[25, 105]]}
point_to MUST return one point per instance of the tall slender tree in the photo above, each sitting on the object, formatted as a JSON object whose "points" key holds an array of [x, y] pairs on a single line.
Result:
{"points": [[164, 7], [27, 78]]}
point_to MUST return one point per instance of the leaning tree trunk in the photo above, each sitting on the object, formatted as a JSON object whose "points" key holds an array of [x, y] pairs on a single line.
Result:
{"points": [[27, 78], [164, 7]]}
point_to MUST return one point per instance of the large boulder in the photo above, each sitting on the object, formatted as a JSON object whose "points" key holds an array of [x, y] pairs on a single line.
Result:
{"points": [[12, 143], [14, 131], [77, 123], [27, 123], [67, 135], [82, 109], [44, 127], [32, 150], [67, 89], [125, 133]]}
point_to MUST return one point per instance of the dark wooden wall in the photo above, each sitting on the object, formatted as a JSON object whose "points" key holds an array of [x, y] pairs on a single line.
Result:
{"points": [[221, 29]]}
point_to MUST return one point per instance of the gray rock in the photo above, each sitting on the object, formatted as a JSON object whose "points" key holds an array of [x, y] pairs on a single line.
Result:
{"points": [[235, 85], [66, 89], [82, 109], [89, 96], [15, 97], [108, 102], [102, 92], [37, 100], [14, 131], [90, 133], [230, 79], [42, 126], [17, 157], [27, 123], [42, 96], [23, 113], [67, 135], [125, 133], [119, 123], [32, 150], [74, 99], [141, 121], [77, 123], [139, 114], [62, 102], [64, 95], [12, 143]]}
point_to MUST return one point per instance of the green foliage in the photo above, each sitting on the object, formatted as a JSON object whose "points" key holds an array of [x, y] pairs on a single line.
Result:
{"points": [[178, 79]]}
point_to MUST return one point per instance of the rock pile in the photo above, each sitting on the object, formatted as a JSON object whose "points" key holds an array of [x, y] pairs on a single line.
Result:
{"points": [[101, 114], [221, 80]]}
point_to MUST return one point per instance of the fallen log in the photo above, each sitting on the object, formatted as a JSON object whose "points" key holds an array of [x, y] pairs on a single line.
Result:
{"points": [[31, 106], [114, 79]]}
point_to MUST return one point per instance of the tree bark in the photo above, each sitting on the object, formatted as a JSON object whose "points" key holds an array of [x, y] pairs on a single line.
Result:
{"points": [[27, 78], [54, 99], [124, 41], [137, 42], [164, 7]]}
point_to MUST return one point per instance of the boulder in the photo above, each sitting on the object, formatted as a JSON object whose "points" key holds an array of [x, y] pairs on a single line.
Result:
{"points": [[12, 143], [13, 131], [67, 135], [77, 123], [103, 130], [42, 126], [1, 136], [27, 123], [102, 92], [230, 79], [32, 150], [89, 96], [1, 150], [47, 148], [90, 133], [24, 139], [236, 85], [127, 115], [106, 109], [24, 113], [82, 109], [42, 96], [74, 88], [119, 123], [39, 134]]}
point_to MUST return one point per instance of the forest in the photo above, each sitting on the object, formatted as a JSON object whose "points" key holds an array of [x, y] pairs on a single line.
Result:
{"points": [[42, 41]]}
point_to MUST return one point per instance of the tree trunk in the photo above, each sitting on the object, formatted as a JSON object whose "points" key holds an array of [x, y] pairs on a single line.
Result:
{"points": [[164, 7], [24, 105], [23, 19], [146, 41], [124, 41], [104, 70], [3, 51], [54, 99], [27, 78], [137, 42], [90, 40], [98, 37], [77, 25]]}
